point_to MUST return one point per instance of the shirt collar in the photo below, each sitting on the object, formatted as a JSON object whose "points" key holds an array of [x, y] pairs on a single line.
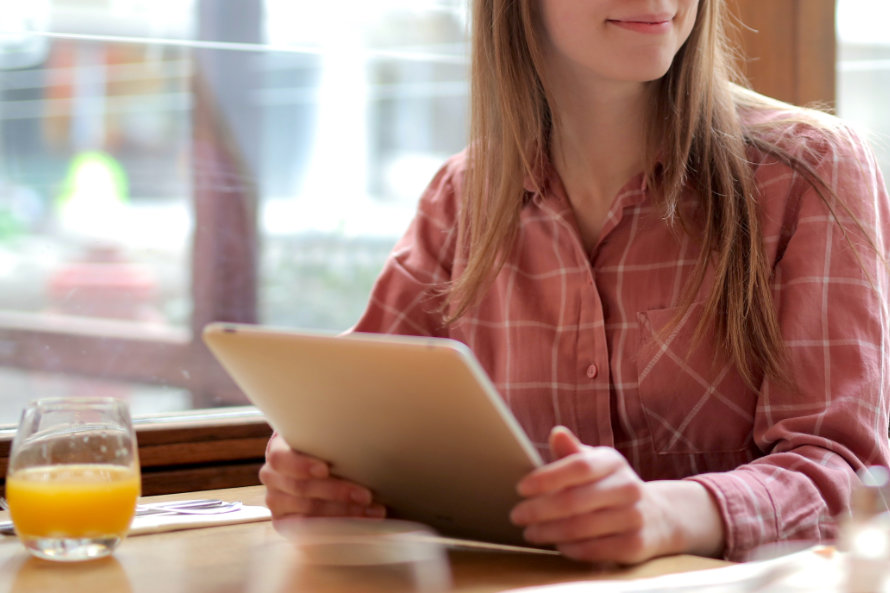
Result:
{"points": [[542, 179]]}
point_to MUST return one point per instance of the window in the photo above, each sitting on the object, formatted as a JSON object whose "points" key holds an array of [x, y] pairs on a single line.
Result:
{"points": [[863, 72], [163, 164]]}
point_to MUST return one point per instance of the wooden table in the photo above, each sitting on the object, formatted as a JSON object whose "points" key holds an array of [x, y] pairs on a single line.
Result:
{"points": [[234, 558]]}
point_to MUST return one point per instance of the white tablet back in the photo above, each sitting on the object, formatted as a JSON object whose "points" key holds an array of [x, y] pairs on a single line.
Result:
{"points": [[415, 419]]}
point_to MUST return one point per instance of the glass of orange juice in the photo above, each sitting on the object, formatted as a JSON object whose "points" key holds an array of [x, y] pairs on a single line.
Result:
{"points": [[73, 477]]}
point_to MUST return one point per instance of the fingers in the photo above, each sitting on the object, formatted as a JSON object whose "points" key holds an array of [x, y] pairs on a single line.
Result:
{"points": [[615, 490], [312, 497], [589, 464], [563, 443], [599, 524], [282, 504], [299, 484], [589, 503], [281, 458], [308, 487]]}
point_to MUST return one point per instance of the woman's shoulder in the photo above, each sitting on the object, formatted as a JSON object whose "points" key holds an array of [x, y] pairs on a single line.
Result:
{"points": [[449, 178], [808, 134], [440, 199], [795, 150], [453, 169]]}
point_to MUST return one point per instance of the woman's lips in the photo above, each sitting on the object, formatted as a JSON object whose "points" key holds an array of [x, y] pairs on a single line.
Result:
{"points": [[652, 25]]}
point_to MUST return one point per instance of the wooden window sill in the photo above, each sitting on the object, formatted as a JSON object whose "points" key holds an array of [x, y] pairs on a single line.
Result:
{"points": [[195, 450]]}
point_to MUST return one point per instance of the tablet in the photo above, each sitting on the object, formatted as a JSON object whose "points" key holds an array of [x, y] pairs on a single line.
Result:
{"points": [[416, 420]]}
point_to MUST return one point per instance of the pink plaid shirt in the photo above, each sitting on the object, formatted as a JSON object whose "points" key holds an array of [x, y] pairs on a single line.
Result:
{"points": [[573, 338]]}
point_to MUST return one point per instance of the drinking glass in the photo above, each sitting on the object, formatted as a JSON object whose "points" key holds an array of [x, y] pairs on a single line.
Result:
{"points": [[73, 477]]}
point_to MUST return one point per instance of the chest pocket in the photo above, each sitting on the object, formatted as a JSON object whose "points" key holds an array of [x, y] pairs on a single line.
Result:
{"points": [[693, 399]]}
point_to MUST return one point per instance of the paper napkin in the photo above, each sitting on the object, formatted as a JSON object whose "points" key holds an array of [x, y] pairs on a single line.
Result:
{"points": [[810, 570], [172, 522]]}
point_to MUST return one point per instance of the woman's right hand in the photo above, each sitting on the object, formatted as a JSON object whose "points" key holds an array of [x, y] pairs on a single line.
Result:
{"points": [[300, 485]]}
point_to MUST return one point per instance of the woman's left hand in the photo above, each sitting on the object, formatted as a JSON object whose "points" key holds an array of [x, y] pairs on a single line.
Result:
{"points": [[592, 506]]}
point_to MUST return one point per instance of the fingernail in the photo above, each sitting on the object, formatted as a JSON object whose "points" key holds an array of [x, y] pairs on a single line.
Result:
{"points": [[360, 496], [559, 428], [318, 470], [517, 517], [524, 488]]}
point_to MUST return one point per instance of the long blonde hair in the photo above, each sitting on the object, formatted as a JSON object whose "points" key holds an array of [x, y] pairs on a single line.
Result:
{"points": [[695, 130]]}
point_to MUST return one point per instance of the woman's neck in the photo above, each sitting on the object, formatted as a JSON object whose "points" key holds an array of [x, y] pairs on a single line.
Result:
{"points": [[598, 144], [599, 138]]}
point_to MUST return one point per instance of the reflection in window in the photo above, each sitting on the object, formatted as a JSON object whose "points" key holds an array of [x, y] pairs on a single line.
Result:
{"points": [[167, 163], [96, 223]]}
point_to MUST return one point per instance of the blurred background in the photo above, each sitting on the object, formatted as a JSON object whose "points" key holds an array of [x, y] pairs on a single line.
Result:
{"points": [[168, 162], [165, 163]]}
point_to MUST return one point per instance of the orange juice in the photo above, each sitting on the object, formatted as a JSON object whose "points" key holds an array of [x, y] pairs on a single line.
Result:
{"points": [[72, 501]]}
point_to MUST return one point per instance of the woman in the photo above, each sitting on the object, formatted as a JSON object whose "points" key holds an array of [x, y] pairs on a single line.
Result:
{"points": [[684, 274]]}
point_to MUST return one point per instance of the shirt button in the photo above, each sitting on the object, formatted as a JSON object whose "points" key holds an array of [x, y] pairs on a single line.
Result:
{"points": [[591, 371]]}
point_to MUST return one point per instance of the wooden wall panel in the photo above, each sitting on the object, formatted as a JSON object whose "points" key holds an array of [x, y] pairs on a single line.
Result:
{"points": [[200, 450], [788, 48]]}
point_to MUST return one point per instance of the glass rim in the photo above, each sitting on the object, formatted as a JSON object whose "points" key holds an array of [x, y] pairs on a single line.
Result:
{"points": [[90, 401]]}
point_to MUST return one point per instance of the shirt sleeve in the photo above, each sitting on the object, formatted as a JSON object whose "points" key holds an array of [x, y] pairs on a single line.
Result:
{"points": [[408, 295], [830, 288]]}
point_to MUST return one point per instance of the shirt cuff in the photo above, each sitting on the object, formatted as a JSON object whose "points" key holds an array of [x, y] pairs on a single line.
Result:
{"points": [[747, 509]]}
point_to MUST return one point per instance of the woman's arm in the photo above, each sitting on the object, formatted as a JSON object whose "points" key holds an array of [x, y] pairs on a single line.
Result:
{"points": [[593, 507], [831, 293], [408, 295]]}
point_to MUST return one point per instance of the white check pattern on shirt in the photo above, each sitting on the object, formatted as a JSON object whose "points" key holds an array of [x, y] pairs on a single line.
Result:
{"points": [[577, 339]]}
